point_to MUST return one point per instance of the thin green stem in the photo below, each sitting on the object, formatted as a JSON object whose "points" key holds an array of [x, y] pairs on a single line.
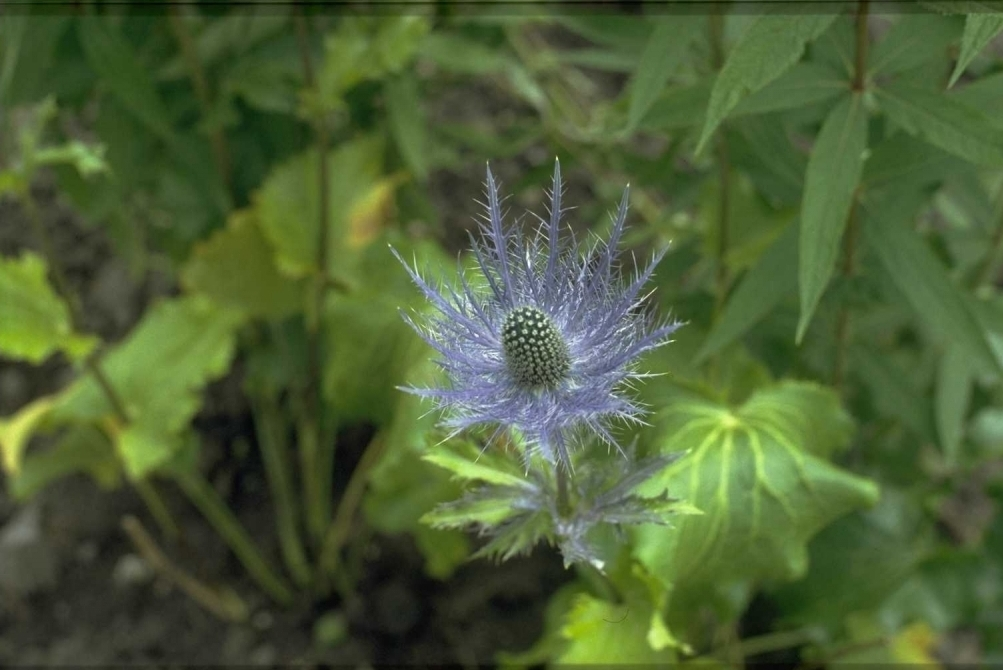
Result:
{"points": [[92, 364], [760, 645], [272, 440], [337, 533], [158, 509], [208, 501], [317, 445]]}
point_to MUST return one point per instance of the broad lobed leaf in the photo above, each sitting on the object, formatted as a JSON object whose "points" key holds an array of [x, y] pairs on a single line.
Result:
{"points": [[759, 474]]}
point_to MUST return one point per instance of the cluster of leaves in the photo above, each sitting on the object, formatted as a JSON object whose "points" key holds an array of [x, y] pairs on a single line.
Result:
{"points": [[832, 185]]}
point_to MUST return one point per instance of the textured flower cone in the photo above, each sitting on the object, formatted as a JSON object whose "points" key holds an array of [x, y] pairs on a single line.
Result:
{"points": [[546, 339]]}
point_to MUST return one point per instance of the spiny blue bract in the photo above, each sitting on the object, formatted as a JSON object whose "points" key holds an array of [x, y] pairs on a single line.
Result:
{"points": [[546, 340]]}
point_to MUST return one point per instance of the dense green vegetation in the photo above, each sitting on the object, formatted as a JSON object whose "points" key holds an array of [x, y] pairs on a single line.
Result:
{"points": [[830, 188]]}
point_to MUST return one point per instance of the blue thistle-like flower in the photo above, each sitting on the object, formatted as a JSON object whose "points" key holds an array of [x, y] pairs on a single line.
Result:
{"points": [[548, 342]]}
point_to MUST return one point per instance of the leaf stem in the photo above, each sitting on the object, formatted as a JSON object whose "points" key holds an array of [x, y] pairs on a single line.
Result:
{"points": [[337, 532], [205, 497], [92, 363], [227, 608], [761, 644], [274, 445], [217, 138]]}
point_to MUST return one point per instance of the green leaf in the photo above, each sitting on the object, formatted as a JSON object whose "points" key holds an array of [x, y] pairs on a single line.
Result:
{"points": [[288, 203], [16, 431], [469, 469], [830, 183], [760, 291], [480, 510], [856, 563], [599, 631], [114, 60], [913, 40], [158, 373], [951, 398], [980, 29], [34, 321], [662, 54], [236, 268], [82, 449], [759, 475], [924, 281], [455, 53], [802, 85], [408, 123], [678, 107], [894, 394], [770, 46], [86, 158], [945, 122], [371, 349]]}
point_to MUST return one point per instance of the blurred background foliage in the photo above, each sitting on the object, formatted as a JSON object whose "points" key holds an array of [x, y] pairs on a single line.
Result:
{"points": [[832, 189]]}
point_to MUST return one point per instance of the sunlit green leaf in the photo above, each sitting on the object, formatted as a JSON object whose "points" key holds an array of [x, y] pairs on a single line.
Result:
{"points": [[980, 29], [82, 449], [236, 268], [771, 45], [833, 176], [157, 373], [759, 475], [16, 431], [34, 321], [288, 203]]}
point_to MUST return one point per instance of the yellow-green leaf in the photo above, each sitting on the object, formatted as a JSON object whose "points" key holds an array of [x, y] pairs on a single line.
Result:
{"points": [[759, 474], [16, 430], [236, 268], [34, 321], [288, 204], [157, 373]]}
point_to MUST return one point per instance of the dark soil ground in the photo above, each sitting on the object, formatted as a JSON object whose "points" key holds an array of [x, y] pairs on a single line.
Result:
{"points": [[75, 591]]}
